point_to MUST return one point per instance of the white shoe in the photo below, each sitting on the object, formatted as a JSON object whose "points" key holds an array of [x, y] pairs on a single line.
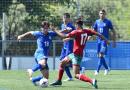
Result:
{"points": [[96, 73], [68, 79], [106, 72], [30, 72]]}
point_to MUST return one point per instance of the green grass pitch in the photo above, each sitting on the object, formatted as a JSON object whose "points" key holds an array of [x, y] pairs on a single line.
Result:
{"points": [[18, 80]]}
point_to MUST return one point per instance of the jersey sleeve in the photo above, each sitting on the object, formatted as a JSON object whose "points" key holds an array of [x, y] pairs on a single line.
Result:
{"points": [[35, 33], [92, 32], [52, 33]]}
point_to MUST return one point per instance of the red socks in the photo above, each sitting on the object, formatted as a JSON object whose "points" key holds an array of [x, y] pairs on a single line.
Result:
{"points": [[83, 78], [61, 71]]}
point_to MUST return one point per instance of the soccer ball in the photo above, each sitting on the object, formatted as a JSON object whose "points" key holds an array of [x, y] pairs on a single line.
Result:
{"points": [[43, 82]]}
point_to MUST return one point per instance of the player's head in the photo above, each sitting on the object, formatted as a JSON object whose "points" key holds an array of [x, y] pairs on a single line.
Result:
{"points": [[79, 24], [102, 14], [66, 17], [45, 26]]}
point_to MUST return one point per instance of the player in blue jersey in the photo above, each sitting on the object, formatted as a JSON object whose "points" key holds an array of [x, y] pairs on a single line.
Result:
{"points": [[103, 26], [67, 48], [44, 39]]}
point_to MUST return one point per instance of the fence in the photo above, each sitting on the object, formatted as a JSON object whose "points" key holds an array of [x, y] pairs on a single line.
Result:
{"points": [[21, 54]]}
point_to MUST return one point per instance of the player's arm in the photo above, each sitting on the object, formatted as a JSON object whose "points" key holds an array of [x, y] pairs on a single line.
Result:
{"points": [[59, 33], [67, 39], [113, 37], [101, 36], [66, 30], [24, 35]]}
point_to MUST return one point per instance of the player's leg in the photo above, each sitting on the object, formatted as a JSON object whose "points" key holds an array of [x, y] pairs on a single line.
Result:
{"points": [[67, 70], [103, 53], [38, 66], [36, 79], [63, 63], [35, 68], [44, 70], [76, 69], [82, 77], [99, 61]]}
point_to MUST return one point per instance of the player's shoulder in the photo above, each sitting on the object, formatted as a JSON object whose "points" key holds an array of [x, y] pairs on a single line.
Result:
{"points": [[108, 20], [98, 20], [35, 32]]}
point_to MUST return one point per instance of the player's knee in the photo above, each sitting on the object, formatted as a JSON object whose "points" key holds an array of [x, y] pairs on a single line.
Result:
{"points": [[45, 67], [62, 65]]}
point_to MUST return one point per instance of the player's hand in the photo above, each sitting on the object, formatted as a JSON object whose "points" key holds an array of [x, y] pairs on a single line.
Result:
{"points": [[68, 28], [19, 37], [108, 42]]}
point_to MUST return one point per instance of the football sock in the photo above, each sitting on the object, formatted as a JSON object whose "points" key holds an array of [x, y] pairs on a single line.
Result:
{"points": [[67, 70], [36, 67], [99, 64], [83, 78], [104, 63], [37, 78], [61, 71]]}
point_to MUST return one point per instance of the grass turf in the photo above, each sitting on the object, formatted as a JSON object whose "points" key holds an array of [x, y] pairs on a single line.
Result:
{"points": [[18, 80]]}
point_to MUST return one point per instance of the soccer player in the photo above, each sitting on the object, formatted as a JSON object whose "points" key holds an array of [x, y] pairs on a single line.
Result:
{"points": [[103, 26], [44, 39], [67, 48], [80, 36]]}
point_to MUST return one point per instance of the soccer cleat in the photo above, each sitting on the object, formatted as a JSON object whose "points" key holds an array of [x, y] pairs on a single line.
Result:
{"points": [[58, 82], [106, 72], [68, 79], [94, 84], [30, 72], [96, 73]]}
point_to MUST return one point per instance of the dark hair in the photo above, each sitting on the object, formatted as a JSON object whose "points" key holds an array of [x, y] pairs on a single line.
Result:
{"points": [[44, 23], [79, 22], [103, 10], [67, 15]]}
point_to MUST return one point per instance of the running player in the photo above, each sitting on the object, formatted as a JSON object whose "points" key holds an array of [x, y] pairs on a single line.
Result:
{"points": [[44, 39], [80, 36]]}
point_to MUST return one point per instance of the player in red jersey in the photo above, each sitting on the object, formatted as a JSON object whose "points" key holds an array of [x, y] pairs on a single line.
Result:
{"points": [[80, 37]]}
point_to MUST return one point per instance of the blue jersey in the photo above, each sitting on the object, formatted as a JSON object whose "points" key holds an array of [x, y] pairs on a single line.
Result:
{"points": [[103, 27], [43, 42], [68, 46]]}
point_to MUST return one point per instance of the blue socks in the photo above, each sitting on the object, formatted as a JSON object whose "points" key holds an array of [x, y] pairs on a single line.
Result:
{"points": [[67, 70], [100, 63], [36, 67], [37, 78]]}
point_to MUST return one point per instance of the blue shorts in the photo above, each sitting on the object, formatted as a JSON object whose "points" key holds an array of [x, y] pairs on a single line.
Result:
{"points": [[39, 55], [102, 47]]}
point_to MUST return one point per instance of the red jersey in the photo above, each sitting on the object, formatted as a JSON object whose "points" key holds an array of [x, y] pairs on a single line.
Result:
{"points": [[80, 39]]}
